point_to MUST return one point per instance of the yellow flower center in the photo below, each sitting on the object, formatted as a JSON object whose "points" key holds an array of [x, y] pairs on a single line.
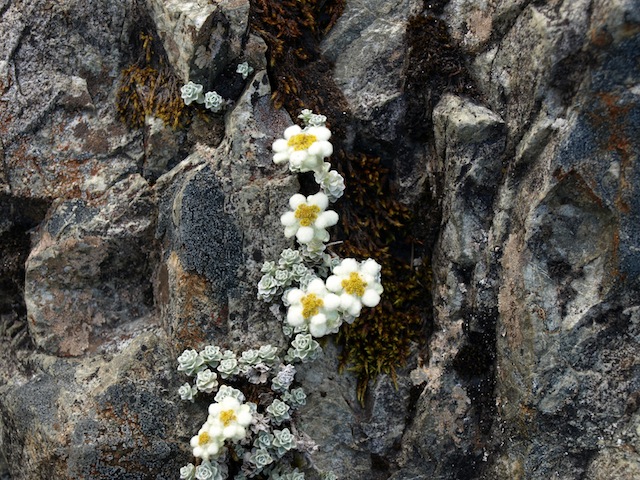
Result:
{"points": [[227, 417], [204, 438], [301, 141], [311, 305], [307, 214], [354, 285]]}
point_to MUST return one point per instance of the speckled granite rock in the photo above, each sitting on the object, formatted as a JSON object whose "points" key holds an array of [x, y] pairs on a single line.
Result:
{"points": [[201, 37], [106, 416], [532, 368], [58, 122], [90, 268], [535, 348]]}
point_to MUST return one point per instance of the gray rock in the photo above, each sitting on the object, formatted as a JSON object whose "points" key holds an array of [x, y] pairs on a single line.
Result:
{"points": [[528, 277], [367, 46], [471, 141], [531, 370], [201, 37], [109, 416], [219, 220], [59, 72], [332, 417], [90, 268]]}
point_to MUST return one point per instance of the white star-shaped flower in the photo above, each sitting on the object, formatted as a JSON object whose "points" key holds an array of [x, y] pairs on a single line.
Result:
{"points": [[229, 418], [309, 218], [206, 444], [357, 284], [314, 306], [305, 149]]}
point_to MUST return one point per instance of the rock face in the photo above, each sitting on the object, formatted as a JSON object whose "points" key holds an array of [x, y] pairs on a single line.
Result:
{"points": [[533, 368], [121, 247]]}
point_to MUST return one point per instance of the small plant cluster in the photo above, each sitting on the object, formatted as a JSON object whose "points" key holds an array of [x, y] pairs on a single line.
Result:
{"points": [[373, 221], [250, 431], [192, 92], [248, 439]]}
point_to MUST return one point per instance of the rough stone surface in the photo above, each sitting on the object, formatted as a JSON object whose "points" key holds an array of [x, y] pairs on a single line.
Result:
{"points": [[532, 347], [90, 268], [58, 122], [218, 221], [201, 37], [367, 46], [122, 247]]}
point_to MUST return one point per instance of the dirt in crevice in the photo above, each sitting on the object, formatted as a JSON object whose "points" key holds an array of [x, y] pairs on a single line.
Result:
{"points": [[18, 216]]}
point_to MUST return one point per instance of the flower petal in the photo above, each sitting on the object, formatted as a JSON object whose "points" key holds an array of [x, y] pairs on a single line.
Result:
{"points": [[296, 200], [288, 219], [347, 266], [321, 149], [370, 298], [295, 295], [305, 234], [294, 316], [316, 286], [346, 301], [280, 145], [320, 199], [290, 231], [355, 307], [321, 133], [298, 157], [334, 283], [371, 267], [291, 131], [331, 301], [318, 325], [326, 219], [279, 158]]}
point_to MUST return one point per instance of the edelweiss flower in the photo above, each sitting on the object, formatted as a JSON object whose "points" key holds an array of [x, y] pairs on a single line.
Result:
{"points": [[357, 284], [308, 220], [303, 149], [206, 444], [229, 418], [314, 306]]}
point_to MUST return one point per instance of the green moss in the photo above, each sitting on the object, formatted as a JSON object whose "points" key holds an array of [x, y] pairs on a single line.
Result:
{"points": [[149, 87], [375, 224]]}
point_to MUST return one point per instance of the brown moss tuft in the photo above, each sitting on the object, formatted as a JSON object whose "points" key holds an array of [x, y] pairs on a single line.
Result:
{"points": [[292, 30], [149, 87]]}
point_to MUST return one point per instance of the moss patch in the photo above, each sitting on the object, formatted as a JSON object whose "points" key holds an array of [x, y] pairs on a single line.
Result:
{"points": [[148, 86]]}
